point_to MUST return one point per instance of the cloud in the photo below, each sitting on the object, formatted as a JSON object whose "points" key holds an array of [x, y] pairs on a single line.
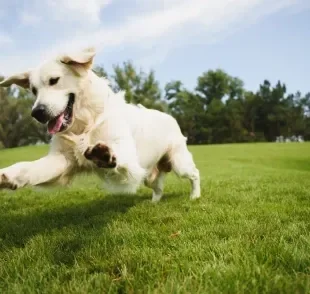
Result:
{"points": [[148, 26], [77, 10], [28, 18], [176, 21]]}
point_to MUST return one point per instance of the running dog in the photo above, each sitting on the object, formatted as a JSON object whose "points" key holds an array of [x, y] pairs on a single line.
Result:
{"points": [[94, 129]]}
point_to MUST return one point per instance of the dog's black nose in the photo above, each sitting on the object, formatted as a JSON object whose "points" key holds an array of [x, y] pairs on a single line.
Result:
{"points": [[40, 114]]}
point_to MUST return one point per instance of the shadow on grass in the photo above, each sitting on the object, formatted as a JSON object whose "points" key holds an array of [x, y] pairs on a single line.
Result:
{"points": [[16, 230]]}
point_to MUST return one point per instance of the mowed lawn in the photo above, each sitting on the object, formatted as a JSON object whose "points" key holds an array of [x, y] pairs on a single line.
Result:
{"points": [[249, 232]]}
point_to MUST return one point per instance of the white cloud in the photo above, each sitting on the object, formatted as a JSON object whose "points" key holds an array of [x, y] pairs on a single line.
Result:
{"points": [[29, 18], [164, 24], [176, 21], [87, 11]]}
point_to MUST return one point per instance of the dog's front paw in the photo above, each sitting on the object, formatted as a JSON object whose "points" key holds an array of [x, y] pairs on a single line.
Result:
{"points": [[101, 155], [5, 183]]}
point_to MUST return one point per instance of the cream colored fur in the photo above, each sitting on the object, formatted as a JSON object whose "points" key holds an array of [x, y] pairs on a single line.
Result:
{"points": [[138, 137]]}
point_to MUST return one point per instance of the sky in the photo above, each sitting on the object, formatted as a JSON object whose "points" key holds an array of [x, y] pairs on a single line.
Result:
{"points": [[180, 39]]}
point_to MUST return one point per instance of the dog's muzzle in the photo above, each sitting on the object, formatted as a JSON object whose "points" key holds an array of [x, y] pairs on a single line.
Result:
{"points": [[40, 113]]}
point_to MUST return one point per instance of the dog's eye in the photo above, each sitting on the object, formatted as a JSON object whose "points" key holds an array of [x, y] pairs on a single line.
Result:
{"points": [[53, 81], [34, 91]]}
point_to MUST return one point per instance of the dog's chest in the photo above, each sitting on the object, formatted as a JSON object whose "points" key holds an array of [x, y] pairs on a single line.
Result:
{"points": [[78, 144], [81, 160], [78, 149]]}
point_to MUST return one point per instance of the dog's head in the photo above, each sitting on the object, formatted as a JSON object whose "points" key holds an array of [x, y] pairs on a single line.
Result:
{"points": [[56, 84]]}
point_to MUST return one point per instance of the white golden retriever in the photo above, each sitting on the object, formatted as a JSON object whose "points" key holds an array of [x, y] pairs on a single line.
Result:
{"points": [[94, 129]]}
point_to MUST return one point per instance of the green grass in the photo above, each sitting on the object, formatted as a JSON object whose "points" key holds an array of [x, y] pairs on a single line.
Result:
{"points": [[249, 233]]}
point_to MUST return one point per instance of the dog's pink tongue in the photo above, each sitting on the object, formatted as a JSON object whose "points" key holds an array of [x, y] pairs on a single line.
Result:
{"points": [[54, 125]]}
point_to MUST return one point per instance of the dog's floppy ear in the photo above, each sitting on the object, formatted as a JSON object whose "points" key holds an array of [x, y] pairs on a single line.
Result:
{"points": [[80, 59], [21, 79]]}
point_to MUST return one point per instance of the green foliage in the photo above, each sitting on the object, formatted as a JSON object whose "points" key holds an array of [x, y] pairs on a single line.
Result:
{"points": [[249, 232], [222, 111], [100, 71], [139, 87], [17, 128], [186, 107], [219, 110]]}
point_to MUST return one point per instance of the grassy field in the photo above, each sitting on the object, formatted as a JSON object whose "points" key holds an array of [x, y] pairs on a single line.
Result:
{"points": [[249, 232]]}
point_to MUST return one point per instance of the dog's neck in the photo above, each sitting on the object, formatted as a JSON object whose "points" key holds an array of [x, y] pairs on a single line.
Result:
{"points": [[93, 101]]}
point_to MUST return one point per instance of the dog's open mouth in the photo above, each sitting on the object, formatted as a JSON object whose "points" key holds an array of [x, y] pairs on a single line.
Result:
{"points": [[61, 122]]}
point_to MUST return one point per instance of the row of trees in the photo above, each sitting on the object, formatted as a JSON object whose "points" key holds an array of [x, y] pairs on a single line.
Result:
{"points": [[218, 110]]}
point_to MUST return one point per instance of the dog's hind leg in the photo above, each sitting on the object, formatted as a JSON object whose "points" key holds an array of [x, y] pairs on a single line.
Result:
{"points": [[156, 179], [158, 187], [183, 165]]}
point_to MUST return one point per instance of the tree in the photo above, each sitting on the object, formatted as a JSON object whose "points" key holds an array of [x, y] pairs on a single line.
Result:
{"points": [[218, 85], [235, 118], [187, 108], [17, 128], [100, 71], [140, 87], [218, 110]]}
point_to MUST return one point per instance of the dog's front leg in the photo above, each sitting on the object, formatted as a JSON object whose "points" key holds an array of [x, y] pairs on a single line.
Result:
{"points": [[44, 170], [101, 155], [120, 155]]}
